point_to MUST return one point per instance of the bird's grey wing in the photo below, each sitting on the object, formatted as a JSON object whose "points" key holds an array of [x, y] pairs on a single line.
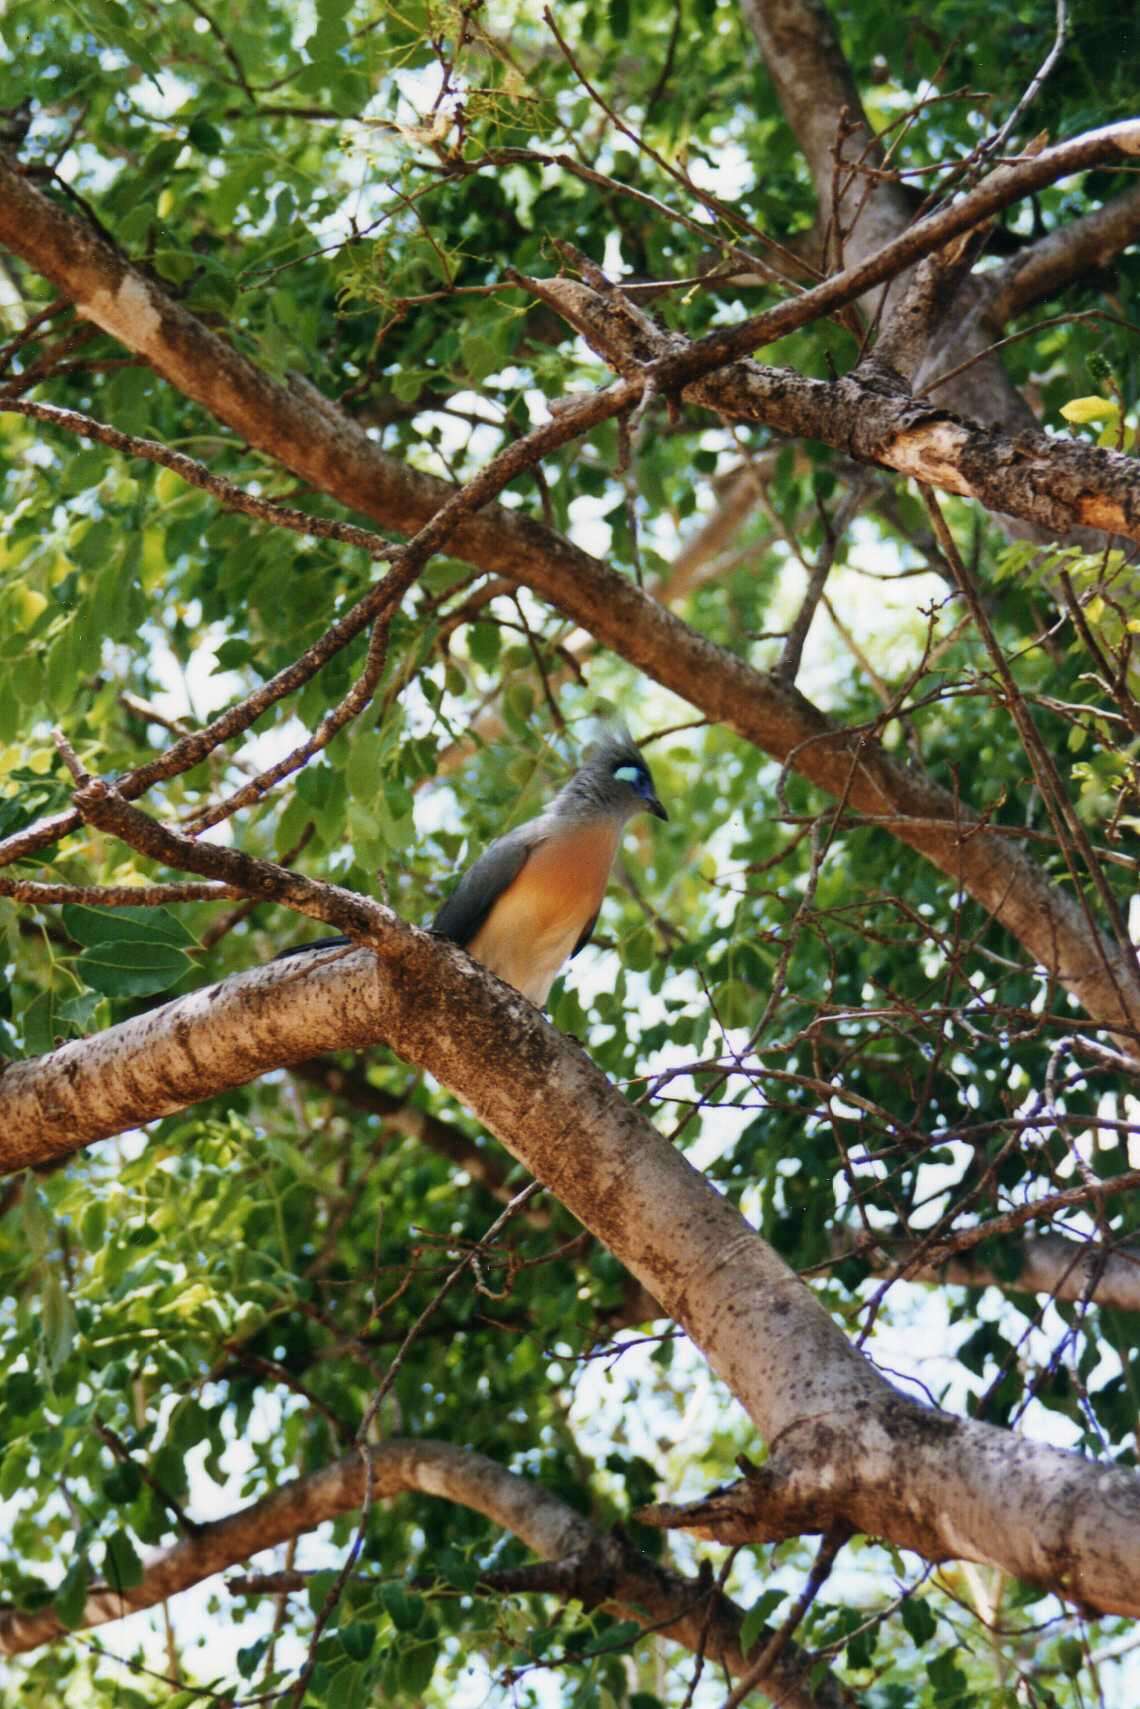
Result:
{"points": [[587, 934], [467, 907]]}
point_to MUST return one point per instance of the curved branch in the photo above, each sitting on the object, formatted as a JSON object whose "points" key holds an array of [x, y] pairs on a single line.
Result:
{"points": [[294, 423], [845, 1446], [624, 1581], [1055, 483], [1061, 256]]}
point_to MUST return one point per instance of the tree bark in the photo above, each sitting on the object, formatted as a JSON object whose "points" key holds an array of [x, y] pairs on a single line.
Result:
{"points": [[816, 91], [621, 1581], [1054, 1265], [294, 423], [845, 1447]]}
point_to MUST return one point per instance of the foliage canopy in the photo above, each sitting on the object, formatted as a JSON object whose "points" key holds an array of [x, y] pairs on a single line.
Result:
{"points": [[849, 1045]]}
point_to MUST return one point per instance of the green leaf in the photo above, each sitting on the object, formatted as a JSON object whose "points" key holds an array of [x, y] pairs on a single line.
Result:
{"points": [[319, 1589], [204, 136], [1070, 1656], [358, 1637], [614, 1637], [249, 1658], [14, 1470], [639, 950], [350, 1687], [758, 1617], [363, 774], [947, 1678], [417, 1664], [93, 1224], [71, 1597], [483, 643], [232, 654], [58, 1322], [122, 1483], [121, 1565], [403, 1609], [736, 1003], [480, 356], [1082, 410], [23, 1392], [95, 926], [918, 1620], [39, 1229], [132, 969]]}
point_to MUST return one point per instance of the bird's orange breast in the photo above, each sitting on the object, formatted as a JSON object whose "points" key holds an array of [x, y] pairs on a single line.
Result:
{"points": [[540, 916]]}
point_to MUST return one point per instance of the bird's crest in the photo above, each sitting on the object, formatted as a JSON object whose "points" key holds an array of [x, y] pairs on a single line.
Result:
{"points": [[612, 747]]}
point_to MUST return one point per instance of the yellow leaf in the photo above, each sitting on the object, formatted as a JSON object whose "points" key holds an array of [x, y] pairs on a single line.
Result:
{"points": [[168, 486], [1081, 410], [29, 603]]}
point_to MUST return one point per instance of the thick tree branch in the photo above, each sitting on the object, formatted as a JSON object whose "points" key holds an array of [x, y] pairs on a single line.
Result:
{"points": [[1063, 255], [307, 433], [1051, 1264], [623, 1581], [1058, 484], [845, 1446]]}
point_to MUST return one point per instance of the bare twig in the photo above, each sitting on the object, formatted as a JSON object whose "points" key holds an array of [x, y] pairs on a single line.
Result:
{"points": [[820, 1571]]}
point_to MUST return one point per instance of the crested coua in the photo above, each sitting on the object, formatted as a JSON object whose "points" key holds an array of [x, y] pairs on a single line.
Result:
{"points": [[531, 900]]}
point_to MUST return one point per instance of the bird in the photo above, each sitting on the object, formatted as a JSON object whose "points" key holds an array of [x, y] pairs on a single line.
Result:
{"points": [[531, 900]]}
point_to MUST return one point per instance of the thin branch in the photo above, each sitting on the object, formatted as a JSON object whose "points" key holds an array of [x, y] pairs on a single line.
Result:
{"points": [[195, 474], [994, 144], [820, 1572], [788, 666], [115, 895]]}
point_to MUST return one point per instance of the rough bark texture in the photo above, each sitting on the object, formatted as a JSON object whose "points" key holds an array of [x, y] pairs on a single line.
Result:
{"points": [[844, 1445], [295, 424], [1058, 483], [815, 88]]}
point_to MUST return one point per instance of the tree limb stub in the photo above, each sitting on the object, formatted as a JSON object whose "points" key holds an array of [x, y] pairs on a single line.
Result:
{"points": [[941, 1485], [307, 433]]}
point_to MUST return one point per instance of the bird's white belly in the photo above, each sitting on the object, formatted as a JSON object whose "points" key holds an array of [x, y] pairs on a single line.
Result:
{"points": [[529, 962]]}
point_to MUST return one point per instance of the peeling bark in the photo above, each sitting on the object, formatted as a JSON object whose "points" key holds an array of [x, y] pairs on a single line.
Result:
{"points": [[1056, 483], [844, 1445]]}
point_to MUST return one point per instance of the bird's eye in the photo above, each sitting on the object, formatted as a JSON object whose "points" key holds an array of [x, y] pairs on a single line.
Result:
{"points": [[630, 774]]}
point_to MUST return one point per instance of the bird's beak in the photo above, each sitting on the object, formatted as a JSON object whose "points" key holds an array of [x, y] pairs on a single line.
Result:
{"points": [[654, 806]]}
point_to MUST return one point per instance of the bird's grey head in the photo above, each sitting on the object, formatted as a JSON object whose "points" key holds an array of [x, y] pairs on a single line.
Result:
{"points": [[612, 779]]}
